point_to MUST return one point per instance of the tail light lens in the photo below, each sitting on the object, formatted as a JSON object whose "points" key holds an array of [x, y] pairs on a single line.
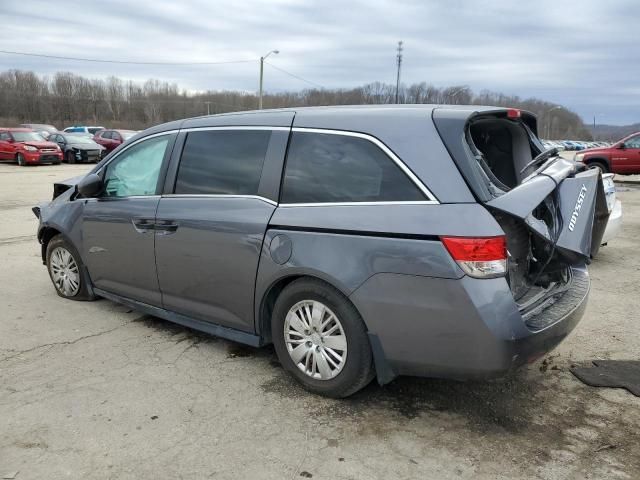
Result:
{"points": [[479, 257]]}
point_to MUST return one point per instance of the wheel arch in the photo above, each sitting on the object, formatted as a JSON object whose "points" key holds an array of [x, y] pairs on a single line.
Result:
{"points": [[603, 160], [272, 292]]}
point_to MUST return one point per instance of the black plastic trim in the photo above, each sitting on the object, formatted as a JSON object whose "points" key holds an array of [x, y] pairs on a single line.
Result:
{"points": [[202, 326], [361, 233]]}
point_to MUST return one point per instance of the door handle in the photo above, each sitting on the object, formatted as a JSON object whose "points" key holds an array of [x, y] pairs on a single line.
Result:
{"points": [[143, 225], [166, 227]]}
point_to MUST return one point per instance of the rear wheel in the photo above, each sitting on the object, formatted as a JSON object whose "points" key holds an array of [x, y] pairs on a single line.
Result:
{"points": [[321, 339], [71, 157], [600, 166], [20, 159], [66, 270]]}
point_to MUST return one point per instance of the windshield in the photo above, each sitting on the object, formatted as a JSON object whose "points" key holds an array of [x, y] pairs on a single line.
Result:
{"points": [[27, 137], [77, 139], [127, 135]]}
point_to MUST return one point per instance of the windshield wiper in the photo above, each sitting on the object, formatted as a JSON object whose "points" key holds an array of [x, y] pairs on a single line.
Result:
{"points": [[543, 156]]}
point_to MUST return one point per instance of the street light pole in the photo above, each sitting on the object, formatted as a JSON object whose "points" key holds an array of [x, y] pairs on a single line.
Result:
{"points": [[262, 59], [557, 107]]}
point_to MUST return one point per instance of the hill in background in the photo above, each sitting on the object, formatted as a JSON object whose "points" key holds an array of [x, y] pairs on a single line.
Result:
{"points": [[68, 99]]}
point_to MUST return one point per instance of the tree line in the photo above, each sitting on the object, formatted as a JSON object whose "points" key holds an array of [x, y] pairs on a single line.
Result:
{"points": [[69, 99]]}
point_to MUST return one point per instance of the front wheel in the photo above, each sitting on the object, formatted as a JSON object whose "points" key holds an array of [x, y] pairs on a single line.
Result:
{"points": [[321, 339], [21, 161], [71, 157], [66, 270], [599, 166]]}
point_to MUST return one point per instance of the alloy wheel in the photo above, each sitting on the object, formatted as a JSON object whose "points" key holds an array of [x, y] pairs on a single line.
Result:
{"points": [[315, 339]]}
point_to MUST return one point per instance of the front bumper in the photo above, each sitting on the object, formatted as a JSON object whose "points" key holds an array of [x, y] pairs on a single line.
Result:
{"points": [[461, 329], [614, 224], [42, 157]]}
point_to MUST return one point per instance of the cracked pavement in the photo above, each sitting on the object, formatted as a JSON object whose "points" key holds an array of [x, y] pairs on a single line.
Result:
{"points": [[96, 390]]}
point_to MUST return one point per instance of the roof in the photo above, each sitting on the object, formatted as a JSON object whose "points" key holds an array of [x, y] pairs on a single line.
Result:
{"points": [[15, 129]]}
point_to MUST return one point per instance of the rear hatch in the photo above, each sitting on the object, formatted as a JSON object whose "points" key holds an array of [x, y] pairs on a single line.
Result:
{"points": [[553, 210]]}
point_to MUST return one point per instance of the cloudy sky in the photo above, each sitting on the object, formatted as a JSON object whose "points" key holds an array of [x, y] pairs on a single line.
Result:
{"points": [[582, 54]]}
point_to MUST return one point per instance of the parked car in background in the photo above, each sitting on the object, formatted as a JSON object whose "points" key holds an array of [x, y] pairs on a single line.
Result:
{"points": [[623, 157], [361, 241], [112, 139], [615, 209], [77, 148], [42, 128], [83, 129], [27, 147]]}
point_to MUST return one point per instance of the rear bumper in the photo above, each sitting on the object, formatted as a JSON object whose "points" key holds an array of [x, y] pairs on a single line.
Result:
{"points": [[614, 223], [460, 329]]}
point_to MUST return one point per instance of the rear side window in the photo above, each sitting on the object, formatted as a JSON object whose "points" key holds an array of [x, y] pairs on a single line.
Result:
{"points": [[324, 168], [106, 135], [223, 162]]}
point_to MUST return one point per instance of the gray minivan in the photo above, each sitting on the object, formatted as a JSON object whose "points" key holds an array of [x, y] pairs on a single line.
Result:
{"points": [[440, 241]]}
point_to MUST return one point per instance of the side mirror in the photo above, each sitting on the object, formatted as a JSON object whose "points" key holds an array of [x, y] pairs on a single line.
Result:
{"points": [[90, 186], [622, 146]]}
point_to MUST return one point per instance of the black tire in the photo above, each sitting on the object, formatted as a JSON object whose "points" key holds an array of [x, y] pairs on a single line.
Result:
{"points": [[20, 159], [599, 165], [83, 293], [358, 369], [71, 157]]}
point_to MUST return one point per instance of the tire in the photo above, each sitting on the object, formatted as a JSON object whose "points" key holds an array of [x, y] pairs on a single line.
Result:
{"points": [[599, 165], [343, 377], [20, 159], [75, 282], [71, 157]]}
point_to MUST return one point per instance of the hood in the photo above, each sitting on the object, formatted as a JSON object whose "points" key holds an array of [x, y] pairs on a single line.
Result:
{"points": [[40, 145], [84, 146], [598, 149], [64, 185]]}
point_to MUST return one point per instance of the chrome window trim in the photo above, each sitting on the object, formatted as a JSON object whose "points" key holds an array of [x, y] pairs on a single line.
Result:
{"points": [[131, 197], [237, 127], [219, 195], [407, 171], [356, 204]]}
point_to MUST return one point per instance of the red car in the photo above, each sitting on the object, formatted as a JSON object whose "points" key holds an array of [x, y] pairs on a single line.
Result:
{"points": [[27, 147], [112, 139], [622, 157]]}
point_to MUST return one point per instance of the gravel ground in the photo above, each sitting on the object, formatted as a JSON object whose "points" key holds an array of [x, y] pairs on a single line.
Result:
{"points": [[95, 390]]}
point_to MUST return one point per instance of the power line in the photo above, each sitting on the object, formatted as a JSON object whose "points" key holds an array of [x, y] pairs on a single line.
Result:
{"points": [[126, 62], [294, 75]]}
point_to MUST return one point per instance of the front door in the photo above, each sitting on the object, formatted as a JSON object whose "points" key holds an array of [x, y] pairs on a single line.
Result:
{"points": [[627, 158], [118, 227], [7, 149], [210, 229]]}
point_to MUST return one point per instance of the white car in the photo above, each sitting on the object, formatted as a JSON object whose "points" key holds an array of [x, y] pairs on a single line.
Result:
{"points": [[615, 209]]}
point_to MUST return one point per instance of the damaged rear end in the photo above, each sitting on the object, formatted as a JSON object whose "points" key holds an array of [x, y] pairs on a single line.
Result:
{"points": [[553, 211]]}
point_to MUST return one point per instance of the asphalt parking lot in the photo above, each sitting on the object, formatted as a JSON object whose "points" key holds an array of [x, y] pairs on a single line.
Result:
{"points": [[95, 390]]}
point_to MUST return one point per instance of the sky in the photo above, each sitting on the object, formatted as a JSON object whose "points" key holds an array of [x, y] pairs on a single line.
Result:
{"points": [[583, 54]]}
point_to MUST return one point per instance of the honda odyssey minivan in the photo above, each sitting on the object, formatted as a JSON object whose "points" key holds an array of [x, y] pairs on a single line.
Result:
{"points": [[363, 242]]}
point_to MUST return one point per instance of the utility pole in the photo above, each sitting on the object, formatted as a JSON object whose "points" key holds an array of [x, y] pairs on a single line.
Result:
{"points": [[261, 76], [208, 103], [399, 62]]}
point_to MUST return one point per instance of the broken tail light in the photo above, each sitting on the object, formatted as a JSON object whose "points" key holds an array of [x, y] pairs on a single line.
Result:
{"points": [[479, 257]]}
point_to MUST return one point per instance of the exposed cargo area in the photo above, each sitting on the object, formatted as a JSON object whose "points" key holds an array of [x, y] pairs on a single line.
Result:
{"points": [[530, 205]]}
